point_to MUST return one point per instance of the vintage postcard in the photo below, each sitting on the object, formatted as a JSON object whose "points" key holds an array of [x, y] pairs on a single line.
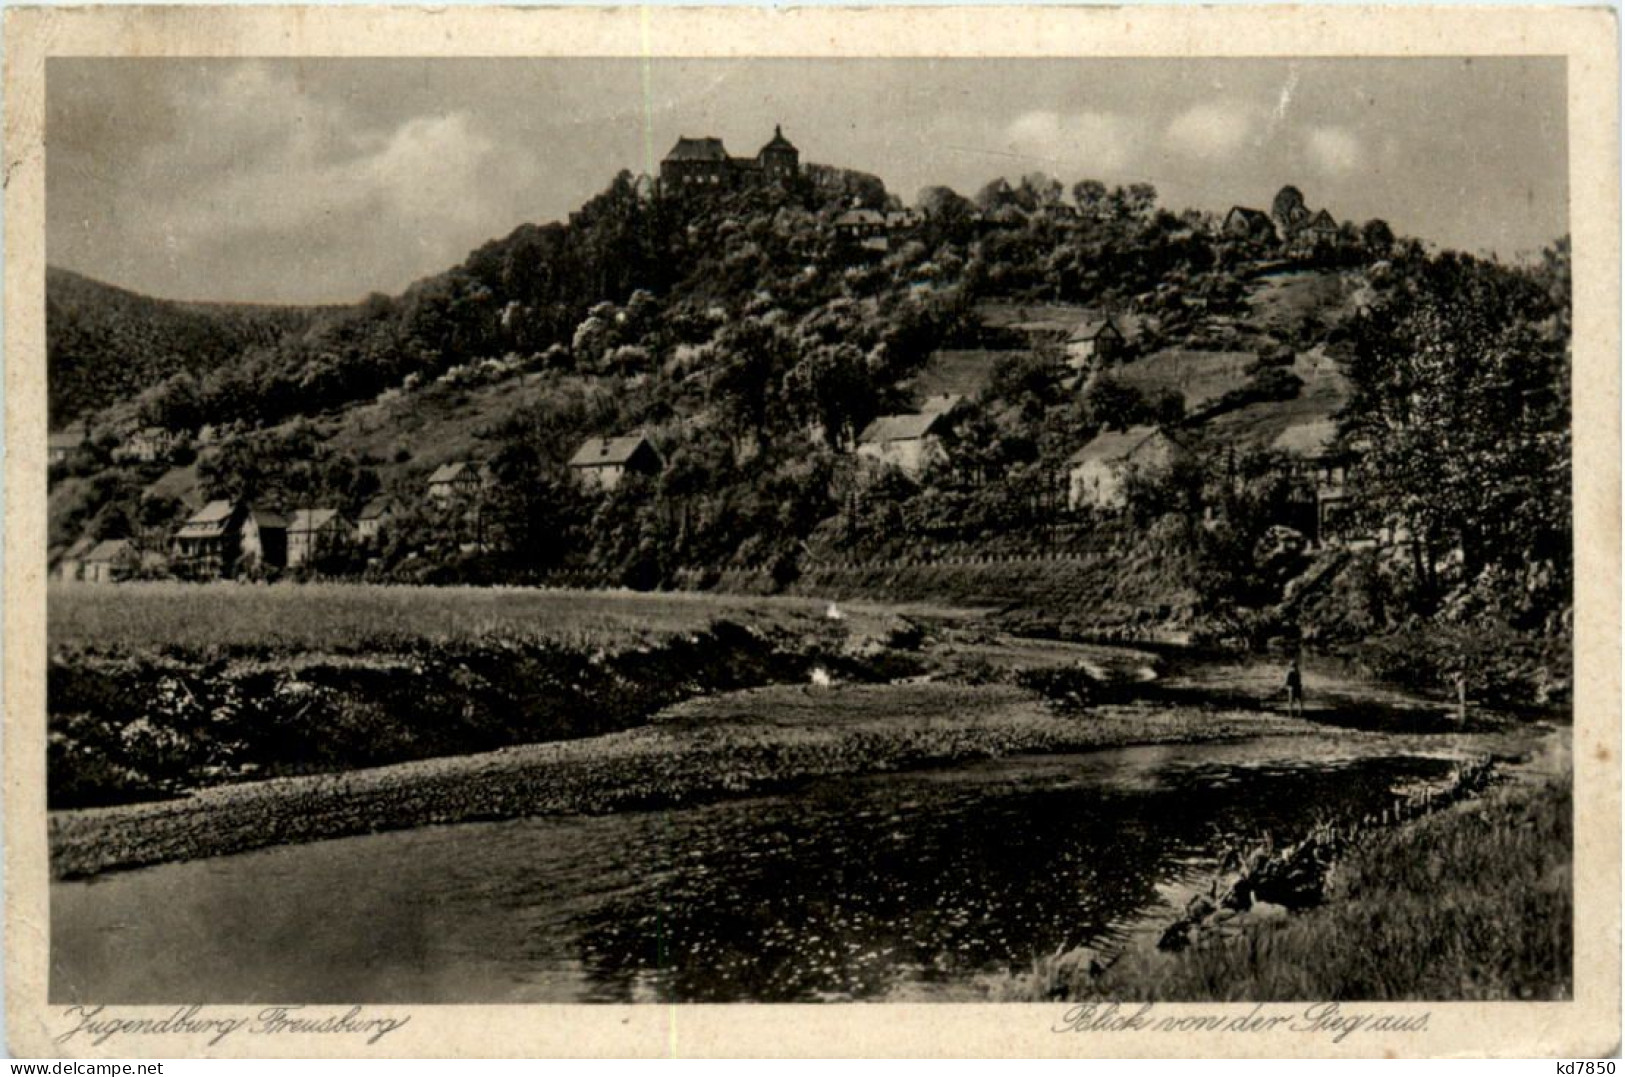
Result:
{"points": [[1025, 531]]}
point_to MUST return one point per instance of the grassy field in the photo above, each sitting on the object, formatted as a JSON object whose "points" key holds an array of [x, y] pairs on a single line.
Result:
{"points": [[359, 618], [1198, 376], [1325, 393], [1284, 302], [1473, 903], [957, 370]]}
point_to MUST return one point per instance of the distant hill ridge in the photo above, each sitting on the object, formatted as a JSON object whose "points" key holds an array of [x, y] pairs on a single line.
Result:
{"points": [[106, 344]]}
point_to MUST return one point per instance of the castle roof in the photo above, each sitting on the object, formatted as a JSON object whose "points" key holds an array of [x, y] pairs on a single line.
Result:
{"points": [[778, 142], [697, 149]]}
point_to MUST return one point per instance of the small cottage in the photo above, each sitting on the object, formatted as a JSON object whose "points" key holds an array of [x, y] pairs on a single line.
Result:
{"points": [[148, 444], [264, 542], [860, 224], [454, 482], [1094, 343], [1319, 470], [1322, 228], [110, 561], [1244, 223], [63, 443], [601, 463], [375, 516], [315, 533], [908, 442], [71, 563], [1098, 472]]}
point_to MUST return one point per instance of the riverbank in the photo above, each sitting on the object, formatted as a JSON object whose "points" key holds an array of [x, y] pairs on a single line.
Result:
{"points": [[1483, 888], [156, 690], [736, 743]]}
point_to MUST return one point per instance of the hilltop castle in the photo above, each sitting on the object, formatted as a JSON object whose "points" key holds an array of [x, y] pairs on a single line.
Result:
{"points": [[702, 163]]}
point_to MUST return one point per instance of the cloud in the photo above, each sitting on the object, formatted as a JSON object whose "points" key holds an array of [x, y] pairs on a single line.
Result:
{"points": [[1214, 132], [1334, 151], [1104, 141], [250, 169]]}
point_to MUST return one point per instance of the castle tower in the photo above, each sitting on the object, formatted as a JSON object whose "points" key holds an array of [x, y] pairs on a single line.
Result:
{"points": [[779, 159]]}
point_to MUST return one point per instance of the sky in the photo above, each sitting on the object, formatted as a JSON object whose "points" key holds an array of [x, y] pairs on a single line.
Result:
{"points": [[307, 181]]}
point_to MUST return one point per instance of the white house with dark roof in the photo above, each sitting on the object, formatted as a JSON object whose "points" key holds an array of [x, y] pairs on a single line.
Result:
{"points": [[1097, 473], [908, 442], [110, 561], [375, 516], [1094, 342], [601, 463], [453, 482]]}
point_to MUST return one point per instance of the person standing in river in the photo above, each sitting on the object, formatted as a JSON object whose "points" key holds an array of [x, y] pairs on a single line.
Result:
{"points": [[1294, 689]]}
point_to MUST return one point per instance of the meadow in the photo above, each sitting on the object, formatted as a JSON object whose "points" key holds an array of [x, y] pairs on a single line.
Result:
{"points": [[343, 618]]}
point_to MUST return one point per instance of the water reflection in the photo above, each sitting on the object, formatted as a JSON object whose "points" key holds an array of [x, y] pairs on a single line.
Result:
{"points": [[853, 888]]}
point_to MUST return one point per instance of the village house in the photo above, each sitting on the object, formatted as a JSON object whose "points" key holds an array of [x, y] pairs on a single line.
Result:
{"points": [[147, 445], [1094, 344], [264, 540], [901, 220], [601, 463], [908, 442], [70, 563], [1319, 471], [226, 537], [208, 542], [1244, 223], [110, 561], [63, 443], [374, 517], [696, 164], [1098, 472], [456, 482], [1322, 228], [866, 228], [314, 533]]}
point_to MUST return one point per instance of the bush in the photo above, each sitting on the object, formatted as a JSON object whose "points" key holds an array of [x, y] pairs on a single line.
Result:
{"points": [[1071, 690]]}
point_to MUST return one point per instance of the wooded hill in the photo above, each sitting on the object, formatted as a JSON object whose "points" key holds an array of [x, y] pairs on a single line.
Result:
{"points": [[752, 335], [106, 345]]}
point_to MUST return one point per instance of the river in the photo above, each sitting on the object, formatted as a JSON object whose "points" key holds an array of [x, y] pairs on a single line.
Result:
{"points": [[907, 885]]}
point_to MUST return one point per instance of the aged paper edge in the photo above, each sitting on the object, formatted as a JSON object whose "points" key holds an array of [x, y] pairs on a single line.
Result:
{"points": [[1588, 1025]]}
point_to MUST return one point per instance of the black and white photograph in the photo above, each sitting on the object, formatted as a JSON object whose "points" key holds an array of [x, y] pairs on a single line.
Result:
{"points": [[809, 530]]}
